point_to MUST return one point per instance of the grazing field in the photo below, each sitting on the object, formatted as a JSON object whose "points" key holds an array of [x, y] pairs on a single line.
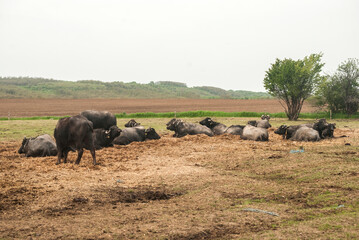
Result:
{"points": [[195, 187], [62, 107]]}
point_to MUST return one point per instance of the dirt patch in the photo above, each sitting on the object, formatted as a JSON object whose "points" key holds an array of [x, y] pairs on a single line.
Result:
{"points": [[195, 187]]}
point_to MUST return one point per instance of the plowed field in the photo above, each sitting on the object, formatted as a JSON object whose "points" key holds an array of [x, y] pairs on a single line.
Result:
{"points": [[62, 107]]}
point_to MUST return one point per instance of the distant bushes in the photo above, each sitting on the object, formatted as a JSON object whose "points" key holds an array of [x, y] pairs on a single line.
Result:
{"points": [[26, 87]]}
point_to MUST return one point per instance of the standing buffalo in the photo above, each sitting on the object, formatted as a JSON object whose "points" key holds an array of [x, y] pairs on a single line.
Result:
{"points": [[103, 138], [39, 146], [254, 133], [74, 133], [219, 128], [135, 134], [182, 128], [100, 119]]}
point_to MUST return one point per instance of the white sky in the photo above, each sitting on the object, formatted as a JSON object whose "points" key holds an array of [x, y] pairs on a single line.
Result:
{"points": [[227, 44]]}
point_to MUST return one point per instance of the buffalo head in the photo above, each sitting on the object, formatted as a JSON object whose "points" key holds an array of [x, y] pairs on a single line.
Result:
{"points": [[25, 141], [208, 122], [132, 123], [151, 133], [113, 132], [282, 130], [173, 123]]}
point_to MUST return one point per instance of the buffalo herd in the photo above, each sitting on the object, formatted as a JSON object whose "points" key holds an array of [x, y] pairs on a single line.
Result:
{"points": [[93, 130]]}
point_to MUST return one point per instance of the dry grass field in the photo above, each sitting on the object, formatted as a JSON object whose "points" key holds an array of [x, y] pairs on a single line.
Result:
{"points": [[195, 187]]}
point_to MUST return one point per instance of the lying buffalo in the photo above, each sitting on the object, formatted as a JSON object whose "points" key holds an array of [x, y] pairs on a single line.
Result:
{"points": [[74, 133], [182, 128], [103, 138], [132, 123], [254, 133], [219, 128], [151, 134], [135, 134], [263, 123], [39, 146], [100, 119], [325, 129], [305, 134], [288, 131]]}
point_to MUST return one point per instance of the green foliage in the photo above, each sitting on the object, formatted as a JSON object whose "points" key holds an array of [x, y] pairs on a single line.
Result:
{"points": [[340, 91], [194, 114], [294, 81], [24, 87]]}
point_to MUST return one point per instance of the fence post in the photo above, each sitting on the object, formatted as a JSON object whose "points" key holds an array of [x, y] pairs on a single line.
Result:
{"points": [[8, 116], [330, 114]]}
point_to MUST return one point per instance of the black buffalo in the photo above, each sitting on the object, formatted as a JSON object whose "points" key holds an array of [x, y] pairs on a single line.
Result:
{"points": [[182, 128], [39, 146], [132, 123], [74, 133], [135, 134], [103, 138], [100, 119], [325, 129], [219, 128], [151, 134], [288, 131]]}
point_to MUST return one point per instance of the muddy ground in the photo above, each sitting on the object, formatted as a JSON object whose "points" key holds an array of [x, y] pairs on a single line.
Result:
{"points": [[195, 187]]}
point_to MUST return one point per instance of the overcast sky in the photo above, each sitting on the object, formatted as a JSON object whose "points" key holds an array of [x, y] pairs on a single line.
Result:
{"points": [[227, 44]]}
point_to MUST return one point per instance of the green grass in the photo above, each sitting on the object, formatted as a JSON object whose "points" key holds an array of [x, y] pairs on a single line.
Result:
{"points": [[194, 114]]}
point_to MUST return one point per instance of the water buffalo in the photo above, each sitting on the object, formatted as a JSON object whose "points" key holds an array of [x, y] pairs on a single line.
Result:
{"points": [[100, 119], [132, 123], [39, 146], [132, 134], [135, 134], [103, 138], [151, 134], [305, 134], [219, 128], [326, 130], [263, 123], [254, 133], [182, 128], [288, 131], [74, 133]]}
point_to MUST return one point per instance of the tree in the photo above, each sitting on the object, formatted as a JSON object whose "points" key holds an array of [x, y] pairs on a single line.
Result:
{"points": [[340, 91], [292, 82]]}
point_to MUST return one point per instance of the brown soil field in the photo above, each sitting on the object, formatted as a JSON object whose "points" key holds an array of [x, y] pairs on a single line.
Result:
{"points": [[63, 107], [195, 187]]}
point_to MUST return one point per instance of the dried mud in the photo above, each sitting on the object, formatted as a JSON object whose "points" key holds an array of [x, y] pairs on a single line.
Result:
{"points": [[194, 187]]}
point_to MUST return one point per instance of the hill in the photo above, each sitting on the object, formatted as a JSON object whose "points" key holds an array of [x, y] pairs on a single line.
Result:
{"points": [[25, 87]]}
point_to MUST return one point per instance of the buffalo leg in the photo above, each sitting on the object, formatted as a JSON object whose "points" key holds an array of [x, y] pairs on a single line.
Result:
{"points": [[93, 153], [59, 156], [65, 155], [79, 155]]}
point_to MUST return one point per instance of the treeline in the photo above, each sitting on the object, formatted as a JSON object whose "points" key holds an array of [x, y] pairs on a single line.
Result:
{"points": [[26, 87]]}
